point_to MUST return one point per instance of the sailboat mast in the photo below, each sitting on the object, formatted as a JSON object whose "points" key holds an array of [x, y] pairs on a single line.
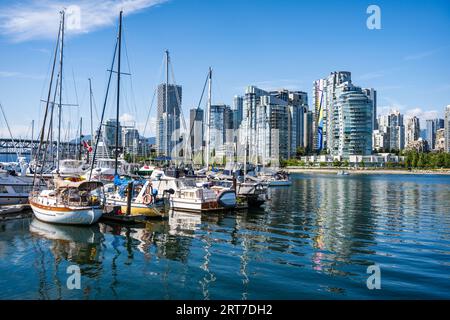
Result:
{"points": [[118, 92], [90, 109], [32, 139], [61, 58], [166, 151], [208, 119], [246, 140], [79, 142]]}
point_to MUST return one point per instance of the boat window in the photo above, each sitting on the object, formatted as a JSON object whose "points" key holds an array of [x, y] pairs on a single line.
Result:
{"points": [[3, 189], [187, 183], [22, 189]]}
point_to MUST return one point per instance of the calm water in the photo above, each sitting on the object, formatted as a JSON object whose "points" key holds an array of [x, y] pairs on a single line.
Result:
{"points": [[314, 240]]}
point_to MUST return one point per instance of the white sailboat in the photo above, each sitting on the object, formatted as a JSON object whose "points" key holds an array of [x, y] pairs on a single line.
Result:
{"points": [[69, 201]]}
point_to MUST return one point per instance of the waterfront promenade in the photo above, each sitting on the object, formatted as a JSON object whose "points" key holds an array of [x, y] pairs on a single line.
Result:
{"points": [[328, 170]]}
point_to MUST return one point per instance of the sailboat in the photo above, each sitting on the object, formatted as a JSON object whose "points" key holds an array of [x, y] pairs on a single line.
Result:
{"points": [[143, 200], [249, 190], [69, 200], [197, 194]]}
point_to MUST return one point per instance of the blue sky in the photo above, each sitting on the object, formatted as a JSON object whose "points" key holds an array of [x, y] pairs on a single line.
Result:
{"points": [[268, 43]]}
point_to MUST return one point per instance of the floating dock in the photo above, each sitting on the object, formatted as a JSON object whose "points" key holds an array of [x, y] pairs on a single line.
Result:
{"points": [[15, 212]]}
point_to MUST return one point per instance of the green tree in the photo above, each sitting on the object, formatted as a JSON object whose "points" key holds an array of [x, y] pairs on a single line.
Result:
{"points": [[415, 159], [337, 163], [421, 161], [300, 152]]}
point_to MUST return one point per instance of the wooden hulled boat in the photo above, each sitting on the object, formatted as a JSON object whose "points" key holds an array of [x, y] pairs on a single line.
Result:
{"points": [[69, 202]]}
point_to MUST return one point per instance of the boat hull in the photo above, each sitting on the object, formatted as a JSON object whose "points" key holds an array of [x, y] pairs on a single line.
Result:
{"points": [[13, 200], [227, 199], [136, 209], [67, 216], [189, 205], [279, 183]]}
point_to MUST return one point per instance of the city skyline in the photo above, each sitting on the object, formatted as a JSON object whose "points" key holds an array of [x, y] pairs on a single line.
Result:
{"points": [[404, 62]]}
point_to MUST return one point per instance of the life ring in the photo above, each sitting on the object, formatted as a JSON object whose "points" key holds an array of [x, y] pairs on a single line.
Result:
{"points": [[147, 199]]}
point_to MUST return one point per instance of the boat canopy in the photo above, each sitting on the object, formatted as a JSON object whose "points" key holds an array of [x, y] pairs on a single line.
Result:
{"points": [[80, 185]]}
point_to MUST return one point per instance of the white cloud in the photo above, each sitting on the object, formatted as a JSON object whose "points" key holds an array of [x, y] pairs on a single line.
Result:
{"points": [[13, 74], [420, 56], [19, 131], [409, 112], [39, 19], [289, 84], [371, 75], [423, 115], [126, 117]]}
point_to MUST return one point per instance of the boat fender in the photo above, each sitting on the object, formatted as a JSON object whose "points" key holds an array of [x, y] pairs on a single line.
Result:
{"points": [[148, 199]]}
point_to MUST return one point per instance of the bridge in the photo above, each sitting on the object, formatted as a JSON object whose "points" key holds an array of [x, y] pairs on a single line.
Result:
{"points": [[26, 147]]}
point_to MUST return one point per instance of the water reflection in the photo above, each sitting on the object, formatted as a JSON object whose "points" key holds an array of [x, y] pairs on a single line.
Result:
{"points": [[313, 240], [184, 223]]}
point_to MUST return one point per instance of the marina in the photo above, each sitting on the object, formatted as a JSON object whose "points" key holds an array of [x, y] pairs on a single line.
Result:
{"points": [[314, 240], [259, 176]]}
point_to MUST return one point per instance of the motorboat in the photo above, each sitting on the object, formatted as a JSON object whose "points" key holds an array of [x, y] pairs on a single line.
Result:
{"points": [[190, 194], [144, 199], [146, 170], [70, 201], [71, 167], [14, 189], [249, 189], [276, 179], [104, 170]]}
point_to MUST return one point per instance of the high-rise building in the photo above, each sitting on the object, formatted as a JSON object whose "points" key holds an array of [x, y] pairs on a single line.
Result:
{"points": [[352, 120], [196, 129], [392, 124], [412, 130], [447, 129], [130, 140], [308, 123], [238, 105], [325, 94], [272, 125], [380, 140], [319, 114], [440, 140], [298, 105], [272, 130], [433, 125], [168, 118], [221, 135], [372, 94], [110, 133]]}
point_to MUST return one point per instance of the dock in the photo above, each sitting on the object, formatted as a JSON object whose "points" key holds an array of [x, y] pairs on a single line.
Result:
{"points": [[15, 212]]}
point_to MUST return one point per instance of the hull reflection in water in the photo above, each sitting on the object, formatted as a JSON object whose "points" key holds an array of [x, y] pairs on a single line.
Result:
{"points": [[184, 223], [81, 234], [79, 244]]}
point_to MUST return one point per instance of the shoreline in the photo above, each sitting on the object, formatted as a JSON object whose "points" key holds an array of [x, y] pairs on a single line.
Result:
{"points": [[368, 171]]}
